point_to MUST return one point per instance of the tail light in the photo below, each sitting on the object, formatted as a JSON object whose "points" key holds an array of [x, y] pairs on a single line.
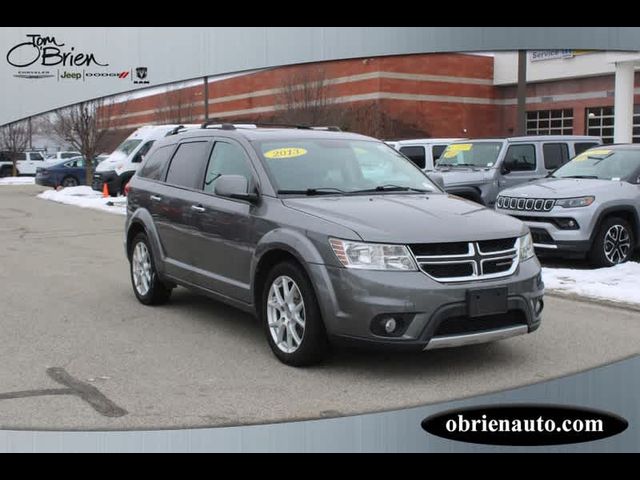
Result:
{"points": [[127, 188]]}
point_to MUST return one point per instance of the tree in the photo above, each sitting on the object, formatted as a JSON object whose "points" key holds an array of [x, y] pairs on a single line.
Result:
{"points": [[177, 106], [306, 99], [14, 138], [85, 127]]}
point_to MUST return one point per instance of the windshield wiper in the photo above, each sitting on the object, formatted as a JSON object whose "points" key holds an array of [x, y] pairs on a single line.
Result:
{"points": [[458, 165], [391, 188], [581, 176], [312, 191]]}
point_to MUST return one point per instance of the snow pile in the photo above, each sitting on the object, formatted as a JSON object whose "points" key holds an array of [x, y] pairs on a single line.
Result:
{"points": [[17, 181], [617, 284], [86, 197]]}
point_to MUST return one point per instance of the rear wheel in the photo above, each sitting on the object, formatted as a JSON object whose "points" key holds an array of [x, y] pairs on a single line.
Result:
{"points": [[613, 244], [147, 286], [291, 316], [70, 182]]}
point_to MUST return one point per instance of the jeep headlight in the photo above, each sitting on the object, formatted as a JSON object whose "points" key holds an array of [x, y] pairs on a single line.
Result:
{"points": [[526, 250], [372, 256], [575, 202]]}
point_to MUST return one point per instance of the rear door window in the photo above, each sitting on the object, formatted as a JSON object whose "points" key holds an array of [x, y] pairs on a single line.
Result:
{"points": [[415, 154], [185, 169], [555, 155]]}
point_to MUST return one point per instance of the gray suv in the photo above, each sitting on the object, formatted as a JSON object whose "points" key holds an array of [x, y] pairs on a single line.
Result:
{"points": [[479, 169], [590, 206], [328, 237]]}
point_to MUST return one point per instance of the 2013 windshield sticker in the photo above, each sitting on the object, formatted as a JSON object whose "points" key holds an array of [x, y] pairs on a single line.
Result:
{"points": [[455, 148], [288, 152], [592, 153]]}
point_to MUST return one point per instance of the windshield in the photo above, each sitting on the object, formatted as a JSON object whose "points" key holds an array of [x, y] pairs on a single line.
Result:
{"points": [[601, 163], [470, 154], [340, 166], [128, 146]]}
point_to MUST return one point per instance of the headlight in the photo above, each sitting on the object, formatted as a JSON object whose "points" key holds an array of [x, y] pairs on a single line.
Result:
{"points": [[575, 202], [526, 247], [372, 256]]}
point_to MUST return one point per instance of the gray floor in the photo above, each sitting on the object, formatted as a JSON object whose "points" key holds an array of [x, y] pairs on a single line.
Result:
{"points": [[66, 302]]}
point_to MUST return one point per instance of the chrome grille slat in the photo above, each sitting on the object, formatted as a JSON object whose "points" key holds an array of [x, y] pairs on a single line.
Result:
{"points": [[528, 204], [475, 257]]}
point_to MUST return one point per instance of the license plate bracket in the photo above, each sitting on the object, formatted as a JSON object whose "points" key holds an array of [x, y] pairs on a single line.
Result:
{"points": [[487, 301]]}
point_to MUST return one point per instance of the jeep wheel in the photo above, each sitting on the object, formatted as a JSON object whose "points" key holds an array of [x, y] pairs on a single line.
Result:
{"points": [[614, 243], [291, 316], [144, 277]]}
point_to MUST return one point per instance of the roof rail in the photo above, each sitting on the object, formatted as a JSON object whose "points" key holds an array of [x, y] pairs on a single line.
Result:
{"points": [[175, 130], [235, 126]]}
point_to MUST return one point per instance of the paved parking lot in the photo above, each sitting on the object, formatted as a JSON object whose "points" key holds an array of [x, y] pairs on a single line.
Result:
{"points": [[78, 351]]}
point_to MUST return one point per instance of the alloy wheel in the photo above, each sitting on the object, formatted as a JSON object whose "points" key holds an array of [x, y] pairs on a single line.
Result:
{"points": [[617, 244], [141, 265], [286, 314]]}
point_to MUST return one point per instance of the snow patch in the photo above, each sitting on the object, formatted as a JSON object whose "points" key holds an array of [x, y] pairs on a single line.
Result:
{"points": [[617, 284], [18, 181], [86, 197]]}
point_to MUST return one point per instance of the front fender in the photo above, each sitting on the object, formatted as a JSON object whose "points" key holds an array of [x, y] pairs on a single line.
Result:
{"points": [[291, 241]]}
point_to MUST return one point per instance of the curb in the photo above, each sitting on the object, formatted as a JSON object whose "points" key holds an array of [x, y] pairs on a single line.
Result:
{"points": [[597, 301]]}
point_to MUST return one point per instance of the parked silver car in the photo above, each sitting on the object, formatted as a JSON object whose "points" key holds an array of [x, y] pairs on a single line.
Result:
{"points": [[590, 206], [480, 169]]}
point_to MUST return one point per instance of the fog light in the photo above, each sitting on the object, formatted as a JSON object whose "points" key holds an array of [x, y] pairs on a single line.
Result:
{"points": [[390, 325]]}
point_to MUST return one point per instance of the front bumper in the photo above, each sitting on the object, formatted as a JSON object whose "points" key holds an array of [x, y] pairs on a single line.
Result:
{"points": [[548, 238], [352, 300], [111, 178]]}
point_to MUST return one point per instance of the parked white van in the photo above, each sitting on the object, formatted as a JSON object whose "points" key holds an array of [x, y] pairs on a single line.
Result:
{"points": [[122, 164], [424, 152]]}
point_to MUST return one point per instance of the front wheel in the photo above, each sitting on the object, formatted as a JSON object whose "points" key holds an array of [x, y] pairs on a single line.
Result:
{"points": [[291, 317], [613, 244], [147, 287]]}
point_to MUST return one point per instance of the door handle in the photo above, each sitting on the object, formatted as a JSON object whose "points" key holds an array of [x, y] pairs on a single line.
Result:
{"points": [[156, 198], [198, 208]]}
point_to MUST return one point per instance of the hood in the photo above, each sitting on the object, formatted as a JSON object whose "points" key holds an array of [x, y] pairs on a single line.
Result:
{"points": [[465, 176], [406, 218], [112, 162], [561, 188]]}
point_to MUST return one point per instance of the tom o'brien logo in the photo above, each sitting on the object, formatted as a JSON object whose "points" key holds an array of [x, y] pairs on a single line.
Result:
{"points": [[45, 56]]}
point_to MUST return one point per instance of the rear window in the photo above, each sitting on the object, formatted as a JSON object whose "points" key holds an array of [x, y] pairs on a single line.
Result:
{"points": [[415, 154], [185, 169], [153, 167]]}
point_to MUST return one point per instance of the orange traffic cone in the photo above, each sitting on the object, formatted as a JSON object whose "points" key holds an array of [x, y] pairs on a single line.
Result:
{"points": [[105, 190]]}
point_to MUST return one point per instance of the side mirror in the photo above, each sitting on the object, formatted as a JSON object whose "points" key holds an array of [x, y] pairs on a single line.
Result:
{"points": [[234, 186], [138, 157], [507, 167], [436, 178]]}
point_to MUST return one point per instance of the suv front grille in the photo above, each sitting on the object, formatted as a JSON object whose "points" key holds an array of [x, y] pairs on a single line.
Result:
{"points": [[465, 261], [525, 204]]}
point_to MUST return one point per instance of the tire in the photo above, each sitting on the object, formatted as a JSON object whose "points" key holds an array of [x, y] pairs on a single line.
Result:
{"points": [[6, 171], [614, 243], [313, 345], [70, 181], [152, 291]]}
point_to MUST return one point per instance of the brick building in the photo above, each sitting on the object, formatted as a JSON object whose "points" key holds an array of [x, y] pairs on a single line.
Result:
{"points": [[431, 95]]}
